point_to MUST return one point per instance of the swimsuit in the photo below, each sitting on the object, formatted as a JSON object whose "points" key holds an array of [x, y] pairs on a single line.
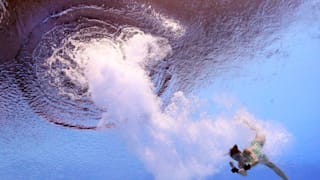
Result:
{"points": [[256, 148]]}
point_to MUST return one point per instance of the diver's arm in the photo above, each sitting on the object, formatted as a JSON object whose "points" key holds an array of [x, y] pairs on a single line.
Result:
{"points": [[275, 169]]}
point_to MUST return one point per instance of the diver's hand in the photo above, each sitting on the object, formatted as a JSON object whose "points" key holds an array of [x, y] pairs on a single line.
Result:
{"points": [[242, 171], [234, 170]]}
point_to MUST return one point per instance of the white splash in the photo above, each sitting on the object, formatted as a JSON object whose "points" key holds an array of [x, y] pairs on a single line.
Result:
{"points": [[177, 142], [172, 25], [3, 9]]}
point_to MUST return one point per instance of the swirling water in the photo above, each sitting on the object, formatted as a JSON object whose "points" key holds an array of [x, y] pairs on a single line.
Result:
{"points": [[203, 42]]}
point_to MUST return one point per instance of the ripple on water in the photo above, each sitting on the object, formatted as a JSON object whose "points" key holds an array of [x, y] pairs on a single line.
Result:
{"points": [[53, 79], [205, 39]]}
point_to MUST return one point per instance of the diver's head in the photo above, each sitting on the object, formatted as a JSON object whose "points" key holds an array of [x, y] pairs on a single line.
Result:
{"points": [[235, 153]]}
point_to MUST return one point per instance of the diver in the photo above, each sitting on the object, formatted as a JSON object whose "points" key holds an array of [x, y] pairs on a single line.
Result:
{"points": [[251, 156]]}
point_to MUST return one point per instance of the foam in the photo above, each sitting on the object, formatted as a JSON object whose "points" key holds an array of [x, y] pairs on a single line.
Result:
{"points": [[178, 141]]}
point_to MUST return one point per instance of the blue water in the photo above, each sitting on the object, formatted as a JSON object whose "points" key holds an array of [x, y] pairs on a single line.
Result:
{"points": [[285, 89], [280, 84]]}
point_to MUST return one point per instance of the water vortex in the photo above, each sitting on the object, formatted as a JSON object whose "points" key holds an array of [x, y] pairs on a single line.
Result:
{"points": [[205, 37], [51, 76]]}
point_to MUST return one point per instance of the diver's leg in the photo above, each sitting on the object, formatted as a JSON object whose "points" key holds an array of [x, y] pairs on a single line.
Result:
{"points": [[260, 138], [271, 165]]}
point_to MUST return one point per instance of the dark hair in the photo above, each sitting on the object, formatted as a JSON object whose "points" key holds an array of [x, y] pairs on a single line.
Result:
{"points": [[234, 150]]}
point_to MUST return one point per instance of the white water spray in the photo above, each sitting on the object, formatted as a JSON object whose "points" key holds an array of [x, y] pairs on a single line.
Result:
{"points": [[175, 142], [3, 9]]}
